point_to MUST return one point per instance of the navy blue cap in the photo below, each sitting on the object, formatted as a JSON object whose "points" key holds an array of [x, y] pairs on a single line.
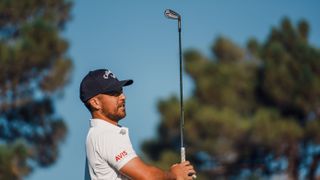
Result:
{"points": [[100, 81]]}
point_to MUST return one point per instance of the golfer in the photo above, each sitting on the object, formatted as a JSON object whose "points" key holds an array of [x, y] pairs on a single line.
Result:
{"points": [[110, 155]]}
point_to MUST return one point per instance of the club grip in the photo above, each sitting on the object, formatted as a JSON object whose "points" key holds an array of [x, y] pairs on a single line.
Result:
{"points": [[183, 154], [183, 158]]}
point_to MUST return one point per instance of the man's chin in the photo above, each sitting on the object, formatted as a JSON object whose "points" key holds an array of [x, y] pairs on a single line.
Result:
{"points": [[120, 116], [117, 117]]}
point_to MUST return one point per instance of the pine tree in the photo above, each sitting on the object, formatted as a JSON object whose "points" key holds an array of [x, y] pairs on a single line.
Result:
{"points": [[34, 69], [252, 110]]}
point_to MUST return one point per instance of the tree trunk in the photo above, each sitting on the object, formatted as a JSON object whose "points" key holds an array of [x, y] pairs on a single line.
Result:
{"points": [[313, 167], [293, 161]]}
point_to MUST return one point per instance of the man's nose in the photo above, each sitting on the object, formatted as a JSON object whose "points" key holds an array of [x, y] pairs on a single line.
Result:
{"points": [[122, 96]]}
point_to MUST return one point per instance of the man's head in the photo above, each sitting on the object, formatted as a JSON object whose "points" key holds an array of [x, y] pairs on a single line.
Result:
{"points": [[102, 94]]}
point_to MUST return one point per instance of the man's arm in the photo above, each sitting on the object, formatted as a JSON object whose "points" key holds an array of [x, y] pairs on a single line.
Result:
{"points": [[137, 169]]}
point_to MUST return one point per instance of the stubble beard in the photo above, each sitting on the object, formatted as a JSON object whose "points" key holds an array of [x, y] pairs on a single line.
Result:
{"points": [[118, 114]]}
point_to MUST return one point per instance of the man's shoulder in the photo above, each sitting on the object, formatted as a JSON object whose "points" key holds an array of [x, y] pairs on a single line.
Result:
{"points": [[98, 134]]}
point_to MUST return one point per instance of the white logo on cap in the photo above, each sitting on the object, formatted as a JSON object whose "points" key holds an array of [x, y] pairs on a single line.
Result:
{"points": [[108, 73]]}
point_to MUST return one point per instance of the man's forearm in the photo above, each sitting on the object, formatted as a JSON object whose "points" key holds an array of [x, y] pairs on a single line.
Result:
{"points": [[136, 169], [159, 174]]}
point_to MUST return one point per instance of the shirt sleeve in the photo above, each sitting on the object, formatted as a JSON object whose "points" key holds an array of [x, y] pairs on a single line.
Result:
{"points": [[119, 150]]}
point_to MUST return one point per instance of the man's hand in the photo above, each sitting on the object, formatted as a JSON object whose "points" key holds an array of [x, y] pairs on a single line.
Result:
{"points": [[183, 171]]}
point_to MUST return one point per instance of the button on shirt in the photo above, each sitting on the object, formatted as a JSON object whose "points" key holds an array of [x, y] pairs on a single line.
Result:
{"points": [[108, 149]]}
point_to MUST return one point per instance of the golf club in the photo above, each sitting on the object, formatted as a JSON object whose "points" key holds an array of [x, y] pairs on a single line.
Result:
{"points": [[174, 15]]}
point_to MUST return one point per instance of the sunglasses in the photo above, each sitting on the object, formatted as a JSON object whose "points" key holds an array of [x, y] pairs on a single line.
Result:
{"points": [[114, 92]]}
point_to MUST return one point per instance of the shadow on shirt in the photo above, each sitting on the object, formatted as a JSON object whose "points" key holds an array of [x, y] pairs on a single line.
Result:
{"points": [[86, 171]]}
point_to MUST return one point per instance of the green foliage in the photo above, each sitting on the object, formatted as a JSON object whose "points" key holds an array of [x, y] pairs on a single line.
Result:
{"points": [[312, 130], [34, 69], [13, 160], [291, 69], [226, 51], [167, 157], [249, 108], [271, 130]]}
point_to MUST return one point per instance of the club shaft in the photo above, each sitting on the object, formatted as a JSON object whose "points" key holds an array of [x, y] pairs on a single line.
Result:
{"points": [[181, 87], [182, 149]]}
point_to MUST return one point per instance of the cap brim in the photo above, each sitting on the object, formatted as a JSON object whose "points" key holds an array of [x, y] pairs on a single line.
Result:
{"points": [[119, 86], [126, 82]]}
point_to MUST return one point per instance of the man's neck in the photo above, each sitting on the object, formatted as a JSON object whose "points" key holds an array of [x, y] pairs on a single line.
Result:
{"points": [[98, 116]]}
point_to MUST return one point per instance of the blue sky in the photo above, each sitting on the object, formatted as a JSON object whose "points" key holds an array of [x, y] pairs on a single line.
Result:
{"points": [[134, 40]]}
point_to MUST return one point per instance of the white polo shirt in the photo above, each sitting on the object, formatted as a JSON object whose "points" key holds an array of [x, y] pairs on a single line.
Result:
{"points": [[108, 149]]}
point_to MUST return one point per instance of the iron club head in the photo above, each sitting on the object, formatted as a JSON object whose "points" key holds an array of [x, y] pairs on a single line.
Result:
{"points": [[171, 14]]}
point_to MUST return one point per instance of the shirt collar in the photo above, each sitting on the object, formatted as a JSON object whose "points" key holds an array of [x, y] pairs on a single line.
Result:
{"points": [[105, 124]]}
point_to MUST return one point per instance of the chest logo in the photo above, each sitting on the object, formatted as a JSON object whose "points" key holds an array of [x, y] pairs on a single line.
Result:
{"points": [[122, 131]]}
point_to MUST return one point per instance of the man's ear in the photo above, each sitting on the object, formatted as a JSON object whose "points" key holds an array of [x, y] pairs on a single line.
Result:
{"points": [[95, 103]]}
